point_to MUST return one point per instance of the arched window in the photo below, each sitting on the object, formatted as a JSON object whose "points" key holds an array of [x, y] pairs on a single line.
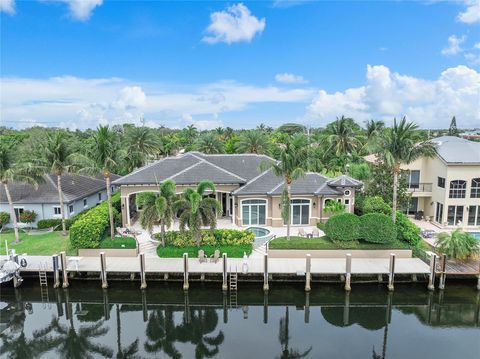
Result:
{"points": [[458, 188], [475, 192], [254, 211]]}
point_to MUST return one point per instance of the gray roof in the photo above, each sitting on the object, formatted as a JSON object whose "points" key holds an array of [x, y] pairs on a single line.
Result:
{"points": [[457, 150], [73, 187], [345, 181]]}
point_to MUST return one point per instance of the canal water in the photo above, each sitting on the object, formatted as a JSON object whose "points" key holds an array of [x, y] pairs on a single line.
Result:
{"points": [[163, 321]]}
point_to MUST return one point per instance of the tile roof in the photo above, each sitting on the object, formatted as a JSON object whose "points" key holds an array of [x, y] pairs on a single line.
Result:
{"points": [[345, 181], [457, 150]]}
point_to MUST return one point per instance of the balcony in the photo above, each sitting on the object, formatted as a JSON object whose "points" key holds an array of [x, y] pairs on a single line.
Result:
{"points": [[420, 188]]}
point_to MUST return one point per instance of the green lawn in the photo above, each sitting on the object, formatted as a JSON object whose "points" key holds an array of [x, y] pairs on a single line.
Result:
{"points": [[118, 242], [325, 243], [232, 251], [44, 244]]}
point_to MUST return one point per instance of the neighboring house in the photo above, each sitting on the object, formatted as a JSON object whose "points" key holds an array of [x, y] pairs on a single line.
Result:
{"points": [[247, 195], [446, 188], [79, 193]]}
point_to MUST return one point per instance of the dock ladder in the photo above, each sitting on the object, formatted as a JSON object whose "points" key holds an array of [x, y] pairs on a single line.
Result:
{"points": [[42, 275], [233, 276]]}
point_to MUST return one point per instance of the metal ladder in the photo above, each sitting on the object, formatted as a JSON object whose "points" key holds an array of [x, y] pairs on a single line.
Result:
{"points": [[233, 276], [42, 275]]}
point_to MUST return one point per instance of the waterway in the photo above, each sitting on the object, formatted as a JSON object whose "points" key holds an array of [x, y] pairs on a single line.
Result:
{"points": [[163, 321]]}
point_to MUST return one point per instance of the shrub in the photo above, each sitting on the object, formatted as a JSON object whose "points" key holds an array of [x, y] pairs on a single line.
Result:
{"points": [[321, 226], [216, 237], [407, 231], [376, 204], [4, 218], [458, 245], [334, 207], [377, 228], [56, 222], [90, 227], [343, 227], [28, 216]]}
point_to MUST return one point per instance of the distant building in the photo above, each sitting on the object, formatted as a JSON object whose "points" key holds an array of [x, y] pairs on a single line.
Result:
{"points": [[79, 193]]}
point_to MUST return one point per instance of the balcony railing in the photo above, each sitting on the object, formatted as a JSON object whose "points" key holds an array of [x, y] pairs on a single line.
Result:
{"points": [[420, 187]]}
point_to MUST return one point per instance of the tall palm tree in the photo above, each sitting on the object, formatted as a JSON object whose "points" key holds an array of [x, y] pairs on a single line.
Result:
{"points": [[57, 159], [373, 130], [15, 171], [342, 137], [292, 156], [157, 208], [284, 338], [196, 209], [253, 141], [103, 156], [400, 145], [141, 143], [209, 143]]}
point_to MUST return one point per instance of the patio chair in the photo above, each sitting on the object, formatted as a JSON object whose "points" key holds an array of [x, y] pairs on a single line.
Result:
{"points": [[215, 256], [301, 232], [121, 231], [201, 256], [316, 232]]}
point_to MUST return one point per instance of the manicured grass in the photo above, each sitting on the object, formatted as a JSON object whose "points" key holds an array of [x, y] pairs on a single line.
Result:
{"points": [[232, 251], [45, 244], [119, 242], [325, 243]]}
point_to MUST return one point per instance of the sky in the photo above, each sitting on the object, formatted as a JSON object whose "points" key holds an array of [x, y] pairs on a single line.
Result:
{"points": [[81, 63]]}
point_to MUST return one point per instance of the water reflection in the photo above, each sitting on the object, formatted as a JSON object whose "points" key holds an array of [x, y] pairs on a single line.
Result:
{"points": [[204, 323]]}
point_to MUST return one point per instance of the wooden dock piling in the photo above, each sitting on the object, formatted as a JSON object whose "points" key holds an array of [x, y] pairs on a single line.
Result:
{"points": [[224, 272], [431, 275], [265, 272], [443, 272], [143, 280], [185, 271], [63, 258], [56, 271], [103, 270], [391, 272], [308, 267], [348, 271]]}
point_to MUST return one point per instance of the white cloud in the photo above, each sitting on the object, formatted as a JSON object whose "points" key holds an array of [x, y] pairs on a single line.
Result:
{"points": [[290, 78], [471, 14], [477, 45], [7, 6], [235, 24], [430, 103], [453, 47], [82, 9], [132, 96]]}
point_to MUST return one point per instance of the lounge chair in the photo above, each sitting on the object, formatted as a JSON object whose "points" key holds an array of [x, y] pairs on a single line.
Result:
{"points": [[121, 231], [215, 256], [301, 232], [201, 256], [316, 232]]}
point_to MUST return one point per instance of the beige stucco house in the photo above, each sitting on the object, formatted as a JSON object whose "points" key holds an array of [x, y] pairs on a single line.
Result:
{"points": [[446, 188], [248, 195]]}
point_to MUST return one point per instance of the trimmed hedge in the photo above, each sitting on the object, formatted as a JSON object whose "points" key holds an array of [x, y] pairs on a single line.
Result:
{"points": [[407, 231], [91, 226], [376, 204], [47, 223], [377, 228], [216, 238], [343, 227]]}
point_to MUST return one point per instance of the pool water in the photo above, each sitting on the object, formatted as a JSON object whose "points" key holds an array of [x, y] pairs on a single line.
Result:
{"points": [[259, 232], [475, 234]]}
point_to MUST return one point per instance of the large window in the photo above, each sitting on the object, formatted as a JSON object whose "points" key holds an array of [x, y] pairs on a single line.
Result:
{"points": [[254, 212], [458, 188], [18, 212], [475, 191], [414, 179], [439, 212], [441, 182], [454, 215], [474, 216], [300, 211]]}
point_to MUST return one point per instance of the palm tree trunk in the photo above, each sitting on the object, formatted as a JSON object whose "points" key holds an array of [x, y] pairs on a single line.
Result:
{"points": [[395, 189], [110, 208], [162, 228], [62, 209], [289, 207], [12, 213]]}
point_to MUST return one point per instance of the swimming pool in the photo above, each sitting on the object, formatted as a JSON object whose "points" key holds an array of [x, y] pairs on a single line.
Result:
{"points": [[259, 231], [475, 234]]}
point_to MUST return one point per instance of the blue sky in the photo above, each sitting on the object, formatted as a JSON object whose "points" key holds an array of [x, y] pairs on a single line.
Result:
{"points": [[79, 63]]}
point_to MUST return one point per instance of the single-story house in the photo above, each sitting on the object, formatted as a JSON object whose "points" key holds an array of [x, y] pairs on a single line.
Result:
{"points": [[79, 193], [248, 196]]}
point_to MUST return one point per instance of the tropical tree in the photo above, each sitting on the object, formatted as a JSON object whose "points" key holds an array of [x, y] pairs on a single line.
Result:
{"points": [[209, 143], [399, 145], [292, 156], [57, 158], [141, 143], [453, 130], [458, 244], [284, 338], [253, 141], [334, 207], [157, 208], [195, 209], [103, 157], [342, 137], [373, 129], [20, 172]]}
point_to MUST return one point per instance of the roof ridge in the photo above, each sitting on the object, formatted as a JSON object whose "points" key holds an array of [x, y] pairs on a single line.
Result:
{"points": [[144, 167], [220, 168], [183, 171], [252, 180], [275, 187]]}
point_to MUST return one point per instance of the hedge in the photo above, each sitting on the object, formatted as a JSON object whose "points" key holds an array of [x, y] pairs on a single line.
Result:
{"points": [[47, 223], [407, 231], [90, 227], [377, 228], [216, 238], [343, 227], [4, 218], [376, 204]]}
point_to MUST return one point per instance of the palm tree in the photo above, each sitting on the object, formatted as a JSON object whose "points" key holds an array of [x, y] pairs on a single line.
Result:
{"points": [[399, 145], [57, 159], [284, 338], [209, 143], [197, 210], [373, 130], [157, 208], [12, 171], [161, 333], [342, 137], [253, 141], [292, 155], [141, 143], [103, 157], [458, 244]]}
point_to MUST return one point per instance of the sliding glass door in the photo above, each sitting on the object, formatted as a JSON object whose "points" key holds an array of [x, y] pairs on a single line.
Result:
{"points": [[300, 211], [254, 212]]}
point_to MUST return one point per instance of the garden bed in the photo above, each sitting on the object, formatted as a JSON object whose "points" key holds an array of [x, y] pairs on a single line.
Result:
{"points": [[119, 247], [233, 251]]}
